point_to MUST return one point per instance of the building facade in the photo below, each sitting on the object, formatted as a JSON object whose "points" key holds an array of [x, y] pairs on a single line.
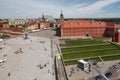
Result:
{"points": [[4, 23], [78, 28], [17, 22]]}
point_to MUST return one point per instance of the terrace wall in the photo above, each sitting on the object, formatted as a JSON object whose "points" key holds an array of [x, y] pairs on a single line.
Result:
{"points": [[11, 29]]}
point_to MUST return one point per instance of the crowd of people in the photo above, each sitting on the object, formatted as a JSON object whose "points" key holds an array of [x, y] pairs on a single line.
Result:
{"points": [[18, 51], [40, 66]]}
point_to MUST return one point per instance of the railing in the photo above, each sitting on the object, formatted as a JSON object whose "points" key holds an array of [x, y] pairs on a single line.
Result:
{"points": [[61, 72]]}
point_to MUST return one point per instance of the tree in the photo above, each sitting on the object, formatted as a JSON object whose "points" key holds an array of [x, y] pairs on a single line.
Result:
{"points": [[12, 26], [1, 25], [51, 24]]}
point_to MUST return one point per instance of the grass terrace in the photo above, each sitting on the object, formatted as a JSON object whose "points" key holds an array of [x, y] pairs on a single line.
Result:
{"points": [[89, 49], [101, 37], [72, 62], [81, 42], [116, 57], [90, 54]]}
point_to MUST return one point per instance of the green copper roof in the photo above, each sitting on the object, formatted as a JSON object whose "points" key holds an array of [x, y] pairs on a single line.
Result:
{"points": [[49, 18]]}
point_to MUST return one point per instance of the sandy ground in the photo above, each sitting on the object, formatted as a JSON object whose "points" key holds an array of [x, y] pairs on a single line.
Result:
{"points": [[78, 74], [26, 59]]}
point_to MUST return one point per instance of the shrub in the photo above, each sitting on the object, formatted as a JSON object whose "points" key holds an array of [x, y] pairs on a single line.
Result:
{"points": [[4, 36]]}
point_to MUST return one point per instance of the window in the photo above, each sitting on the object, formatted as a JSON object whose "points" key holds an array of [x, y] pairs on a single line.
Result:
{"points": [[100, 29], [96, 29]]}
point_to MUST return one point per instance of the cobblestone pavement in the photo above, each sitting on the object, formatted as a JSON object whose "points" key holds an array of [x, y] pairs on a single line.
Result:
{"points": [[28, 59]]}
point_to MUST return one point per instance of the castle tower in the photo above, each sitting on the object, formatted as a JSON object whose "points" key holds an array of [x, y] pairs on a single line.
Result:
{"points": [[61, 18]]}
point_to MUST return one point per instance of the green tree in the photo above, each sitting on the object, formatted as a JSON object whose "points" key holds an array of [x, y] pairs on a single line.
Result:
{"points": [[1, 25], [12, 26]]}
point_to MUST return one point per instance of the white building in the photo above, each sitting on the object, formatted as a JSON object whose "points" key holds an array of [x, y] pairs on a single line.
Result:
{"points": [[83, 65]]}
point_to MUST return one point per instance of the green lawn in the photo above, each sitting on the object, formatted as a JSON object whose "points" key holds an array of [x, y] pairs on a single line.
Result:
{"points": [[84, 51], [76, 61], [82, 42], [100, 37], [67, 50], [70, 62], [108, 58], [111, 58], [90, 54]]}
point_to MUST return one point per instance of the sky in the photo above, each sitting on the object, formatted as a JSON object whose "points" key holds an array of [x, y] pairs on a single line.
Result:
{"points": [[70, 8]]}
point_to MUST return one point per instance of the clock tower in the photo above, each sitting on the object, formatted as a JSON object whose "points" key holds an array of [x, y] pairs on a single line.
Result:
{"points": [[61, 18]]}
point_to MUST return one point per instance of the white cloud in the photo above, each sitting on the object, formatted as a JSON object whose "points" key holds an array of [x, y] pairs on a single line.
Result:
{"points": [[35, 8], [80, 5], [96, 7]]}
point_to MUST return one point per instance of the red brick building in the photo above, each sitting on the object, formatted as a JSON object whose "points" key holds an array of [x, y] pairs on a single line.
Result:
{"points": [[4, 23], [78, 28]]}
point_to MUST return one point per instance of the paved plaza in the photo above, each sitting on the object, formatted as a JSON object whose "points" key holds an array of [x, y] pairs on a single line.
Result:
{"points": [[31, 59], [28, 59], [44, 33]]}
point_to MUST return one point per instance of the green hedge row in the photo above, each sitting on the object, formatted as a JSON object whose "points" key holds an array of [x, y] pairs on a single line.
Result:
{"points": [[4, 36]]}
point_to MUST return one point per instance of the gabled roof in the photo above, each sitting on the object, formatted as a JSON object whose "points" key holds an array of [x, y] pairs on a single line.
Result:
{"points": [[87, 23]]}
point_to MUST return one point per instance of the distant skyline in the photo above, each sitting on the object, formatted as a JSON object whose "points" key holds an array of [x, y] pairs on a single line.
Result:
{"points": [[70, 8]]}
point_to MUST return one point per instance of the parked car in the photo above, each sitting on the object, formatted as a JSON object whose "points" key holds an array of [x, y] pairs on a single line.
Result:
{"points": [[108, 74], [99, 77]]}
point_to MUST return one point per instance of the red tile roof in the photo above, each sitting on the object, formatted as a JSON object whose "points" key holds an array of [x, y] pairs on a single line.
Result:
{"points": [[87, 23]]}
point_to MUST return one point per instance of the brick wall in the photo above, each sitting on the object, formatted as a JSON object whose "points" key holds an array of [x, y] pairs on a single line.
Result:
{"points": [[87, 28], [87, 31], [11, 29]]}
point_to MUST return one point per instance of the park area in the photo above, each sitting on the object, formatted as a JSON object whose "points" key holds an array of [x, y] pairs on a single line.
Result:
{"points": [[86, 49]]}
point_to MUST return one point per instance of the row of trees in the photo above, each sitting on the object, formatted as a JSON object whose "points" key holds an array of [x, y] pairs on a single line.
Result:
{"points": [[116, 20]]}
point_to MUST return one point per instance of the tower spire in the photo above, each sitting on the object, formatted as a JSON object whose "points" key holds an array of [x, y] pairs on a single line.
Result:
{"points": [[61, 11], [61, 18], [43, 17], [61, 15]]}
